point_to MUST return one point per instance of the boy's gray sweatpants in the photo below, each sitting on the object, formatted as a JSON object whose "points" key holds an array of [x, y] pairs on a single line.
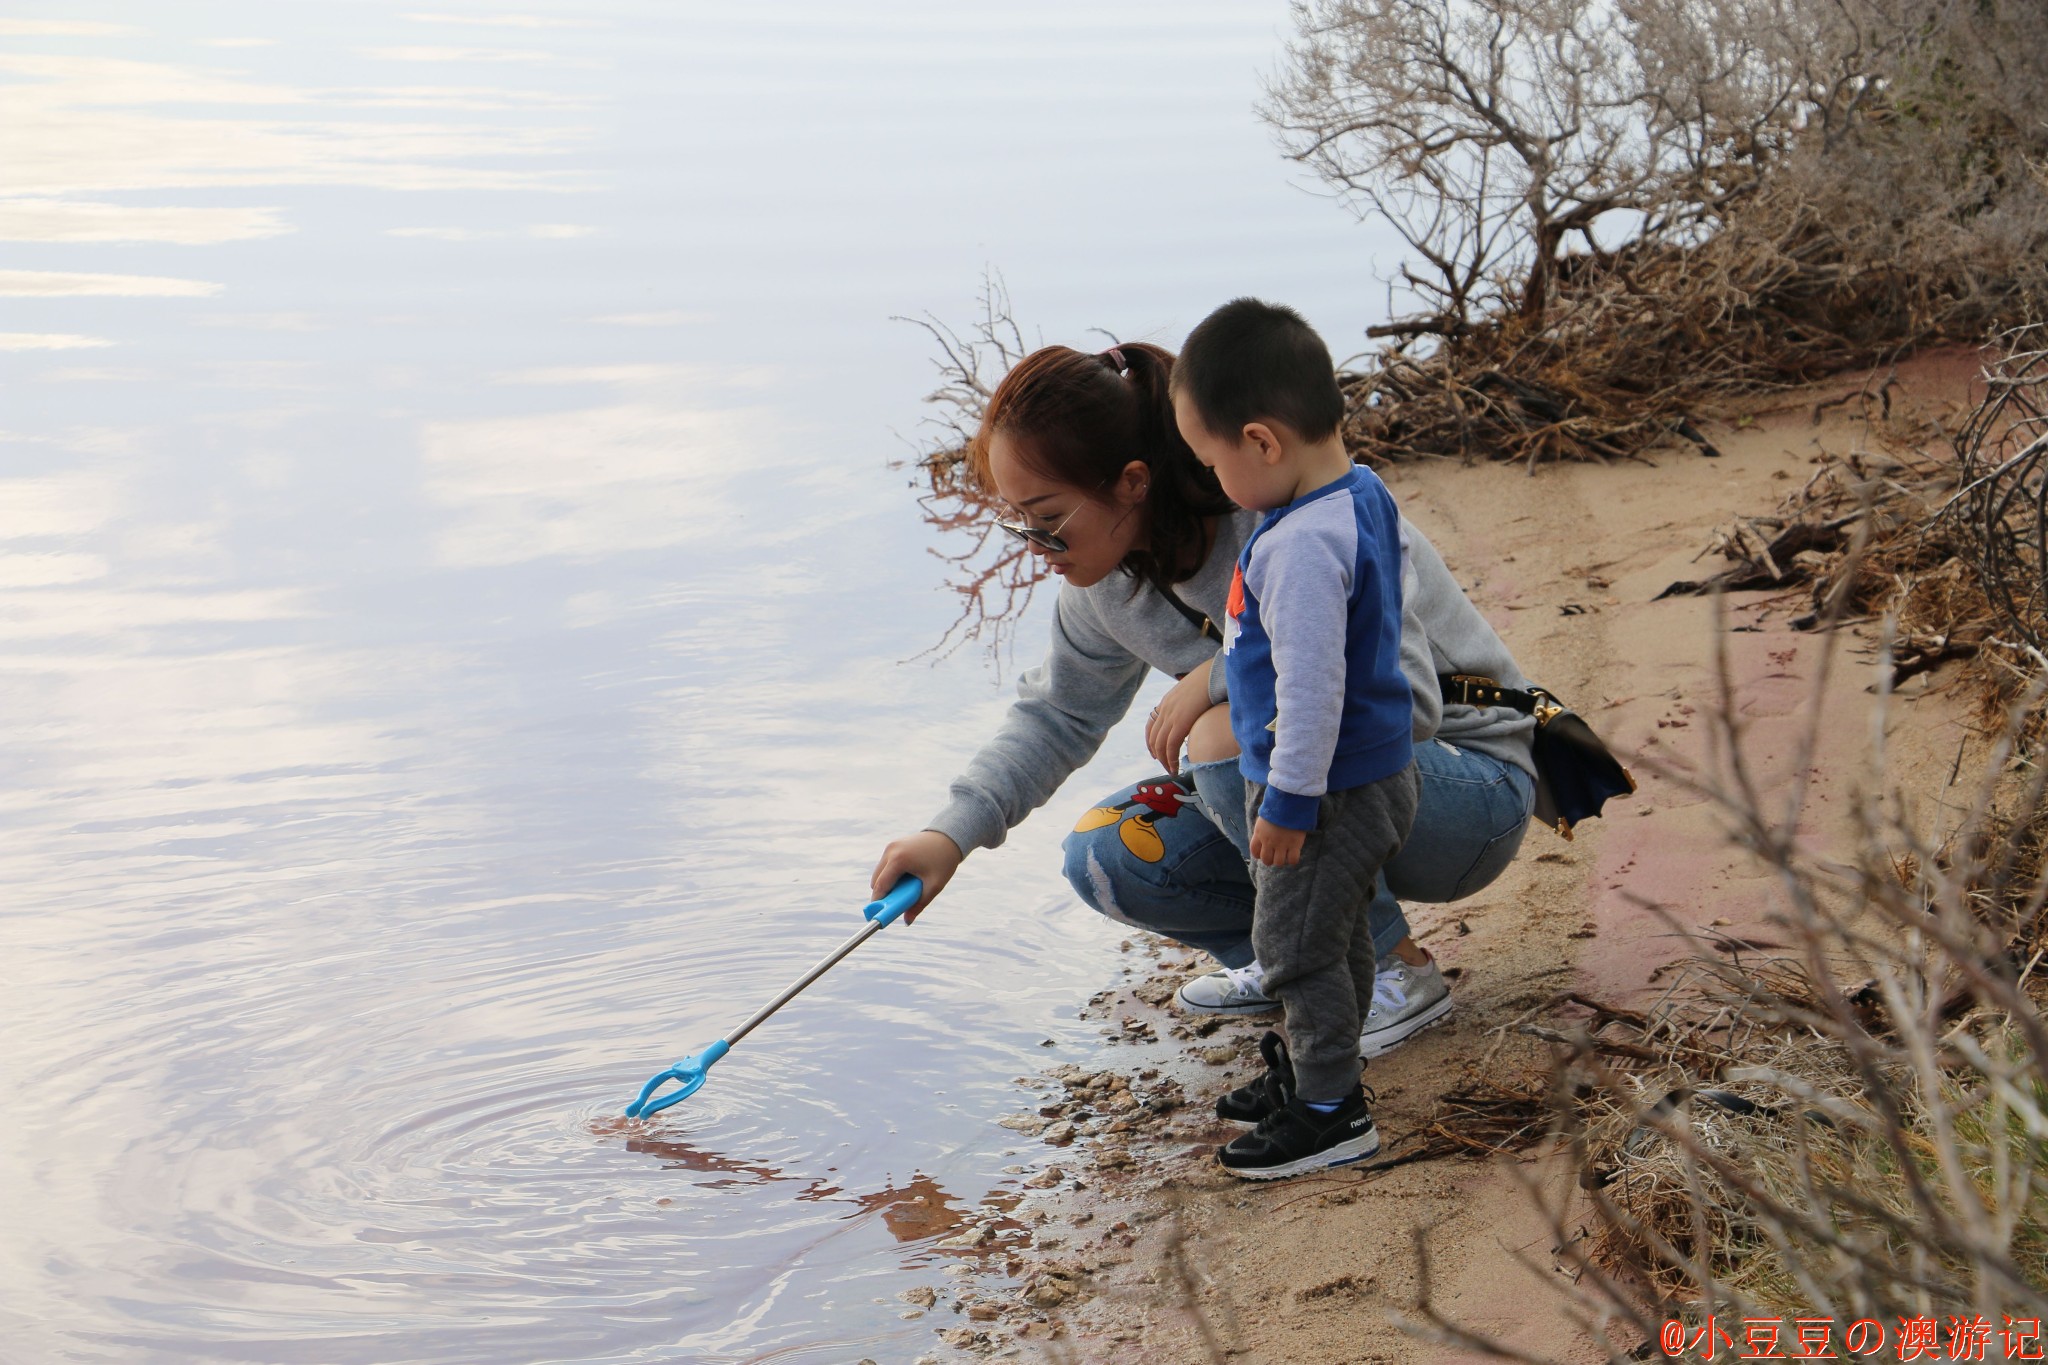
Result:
{"points": [[1309, 925]]}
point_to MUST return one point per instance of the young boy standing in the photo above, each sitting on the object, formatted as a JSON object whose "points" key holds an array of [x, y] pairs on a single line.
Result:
{"points": [[1320, 710]]}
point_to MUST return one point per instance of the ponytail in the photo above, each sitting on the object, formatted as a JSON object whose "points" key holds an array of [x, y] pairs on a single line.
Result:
{"points": [[1184, 492], [1080, 418]]}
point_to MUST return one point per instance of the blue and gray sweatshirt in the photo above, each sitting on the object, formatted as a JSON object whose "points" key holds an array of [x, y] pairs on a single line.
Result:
{"points": [[1318, 701]]}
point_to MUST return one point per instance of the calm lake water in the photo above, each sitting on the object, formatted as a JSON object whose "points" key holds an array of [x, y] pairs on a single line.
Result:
{"points": [[460, 621]]}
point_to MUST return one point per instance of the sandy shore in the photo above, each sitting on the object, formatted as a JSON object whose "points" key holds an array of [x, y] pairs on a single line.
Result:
{"points": [[1131, 1245]]}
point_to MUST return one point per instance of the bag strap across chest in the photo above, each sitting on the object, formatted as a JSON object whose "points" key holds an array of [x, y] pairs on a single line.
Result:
{"points": [[1200, 622]]}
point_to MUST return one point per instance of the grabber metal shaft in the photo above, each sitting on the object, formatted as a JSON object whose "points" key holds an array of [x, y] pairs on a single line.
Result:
{"points": [[690, 1071], [825, 964]]}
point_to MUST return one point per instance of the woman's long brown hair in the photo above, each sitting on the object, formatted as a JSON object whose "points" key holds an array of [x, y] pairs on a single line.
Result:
{"points": [[1078, 420]]}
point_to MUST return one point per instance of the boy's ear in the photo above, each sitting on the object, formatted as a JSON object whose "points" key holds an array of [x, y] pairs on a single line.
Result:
{"points": [[1265, 440]]}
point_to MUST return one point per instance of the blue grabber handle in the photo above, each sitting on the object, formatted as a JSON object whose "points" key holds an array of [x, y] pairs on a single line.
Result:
{"points": [[890, 908], [690, 1071]]}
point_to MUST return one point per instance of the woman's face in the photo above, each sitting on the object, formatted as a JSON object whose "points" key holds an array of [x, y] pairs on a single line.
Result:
{"points": [[1099, 526]]}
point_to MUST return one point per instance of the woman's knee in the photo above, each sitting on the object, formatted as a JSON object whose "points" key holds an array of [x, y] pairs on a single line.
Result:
{"points": [[1200, 887], [1099, 860], [1082, 866], [1099, 871], [1211, 741]]}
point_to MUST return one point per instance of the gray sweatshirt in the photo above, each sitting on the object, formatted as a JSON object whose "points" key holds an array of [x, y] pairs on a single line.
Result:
{"points": [[1105, 639]]}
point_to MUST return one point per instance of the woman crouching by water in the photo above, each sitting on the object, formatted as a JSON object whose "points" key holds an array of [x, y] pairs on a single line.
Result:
{"points": [[1084, 456]]}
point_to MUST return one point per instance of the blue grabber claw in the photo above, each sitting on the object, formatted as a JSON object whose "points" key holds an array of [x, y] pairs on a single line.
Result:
{"points": [[689, 1073]]}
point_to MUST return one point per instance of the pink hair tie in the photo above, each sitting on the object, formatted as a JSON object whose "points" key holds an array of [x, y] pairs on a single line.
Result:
{"points": [[1115, 356]]}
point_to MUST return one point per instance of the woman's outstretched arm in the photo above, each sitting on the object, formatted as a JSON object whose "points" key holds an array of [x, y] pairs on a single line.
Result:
{"points": [[1064, 707]]}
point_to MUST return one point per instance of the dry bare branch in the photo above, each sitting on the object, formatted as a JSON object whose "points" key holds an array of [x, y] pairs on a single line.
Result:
{"points": [[992, 576]]}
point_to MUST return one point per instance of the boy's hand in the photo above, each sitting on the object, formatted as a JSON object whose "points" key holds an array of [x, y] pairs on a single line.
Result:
{"points": [[1276, 845], [1166, 730]]}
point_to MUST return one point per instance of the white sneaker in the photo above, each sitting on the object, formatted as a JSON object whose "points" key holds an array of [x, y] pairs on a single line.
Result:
{"points": [[1405, 1001], [1234, 990]]}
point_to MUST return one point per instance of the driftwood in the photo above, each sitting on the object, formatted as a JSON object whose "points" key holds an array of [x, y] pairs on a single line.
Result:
{"points": [[1773, 565]]}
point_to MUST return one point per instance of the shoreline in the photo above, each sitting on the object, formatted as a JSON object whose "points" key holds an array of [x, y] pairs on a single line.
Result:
{"points": [[1142, 1249]]}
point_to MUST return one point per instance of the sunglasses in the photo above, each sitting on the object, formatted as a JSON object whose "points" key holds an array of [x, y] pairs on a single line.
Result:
{"points": [[1049, 541]]}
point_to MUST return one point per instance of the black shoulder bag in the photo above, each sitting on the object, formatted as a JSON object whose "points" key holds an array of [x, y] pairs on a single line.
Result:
{"points": [[1575, 774]]}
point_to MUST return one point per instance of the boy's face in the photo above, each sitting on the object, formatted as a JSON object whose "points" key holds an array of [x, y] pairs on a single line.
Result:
{"points": [[1251, 464]]}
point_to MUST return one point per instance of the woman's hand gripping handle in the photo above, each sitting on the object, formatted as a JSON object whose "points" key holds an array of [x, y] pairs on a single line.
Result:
{"points": [[927, 855]]}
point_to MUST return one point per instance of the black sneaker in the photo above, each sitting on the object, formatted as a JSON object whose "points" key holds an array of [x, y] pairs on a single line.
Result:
{"points": [[1253, 1101], [1294, 1140]]}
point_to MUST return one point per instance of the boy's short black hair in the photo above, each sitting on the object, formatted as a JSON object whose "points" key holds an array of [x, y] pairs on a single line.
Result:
{"points": [[1251, 361]]}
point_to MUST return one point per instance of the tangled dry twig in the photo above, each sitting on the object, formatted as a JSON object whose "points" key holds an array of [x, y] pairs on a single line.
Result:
{"points": [[2001, 511]]}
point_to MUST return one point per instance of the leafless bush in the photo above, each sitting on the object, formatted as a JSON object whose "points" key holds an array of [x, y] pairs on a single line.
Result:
{"points": [[1927, 182], [1490, 134], [992, 575], [1618, 209]]}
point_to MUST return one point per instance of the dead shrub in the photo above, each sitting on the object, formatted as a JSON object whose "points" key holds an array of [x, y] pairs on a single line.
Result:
{"points": [[1616, 213]]}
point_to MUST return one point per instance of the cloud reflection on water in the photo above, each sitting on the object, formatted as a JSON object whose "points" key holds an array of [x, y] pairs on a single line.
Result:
{"points": [[52, 505], [442, 55], [663, 466], [59, 28], [498, 20], [82, 125], [543, 231], [77, 220], [155, 716], [50, 284], [50, 341]]}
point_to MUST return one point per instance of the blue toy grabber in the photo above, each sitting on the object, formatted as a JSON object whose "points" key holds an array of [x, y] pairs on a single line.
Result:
{"points": [[689, 1072]]}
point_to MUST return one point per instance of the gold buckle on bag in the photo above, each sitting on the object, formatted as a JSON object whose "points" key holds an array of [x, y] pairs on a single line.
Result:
{"points": [[1476, 690]]}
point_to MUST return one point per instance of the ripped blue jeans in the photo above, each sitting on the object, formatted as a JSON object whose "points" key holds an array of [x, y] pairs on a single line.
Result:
{"points": [[1158, 857]]}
